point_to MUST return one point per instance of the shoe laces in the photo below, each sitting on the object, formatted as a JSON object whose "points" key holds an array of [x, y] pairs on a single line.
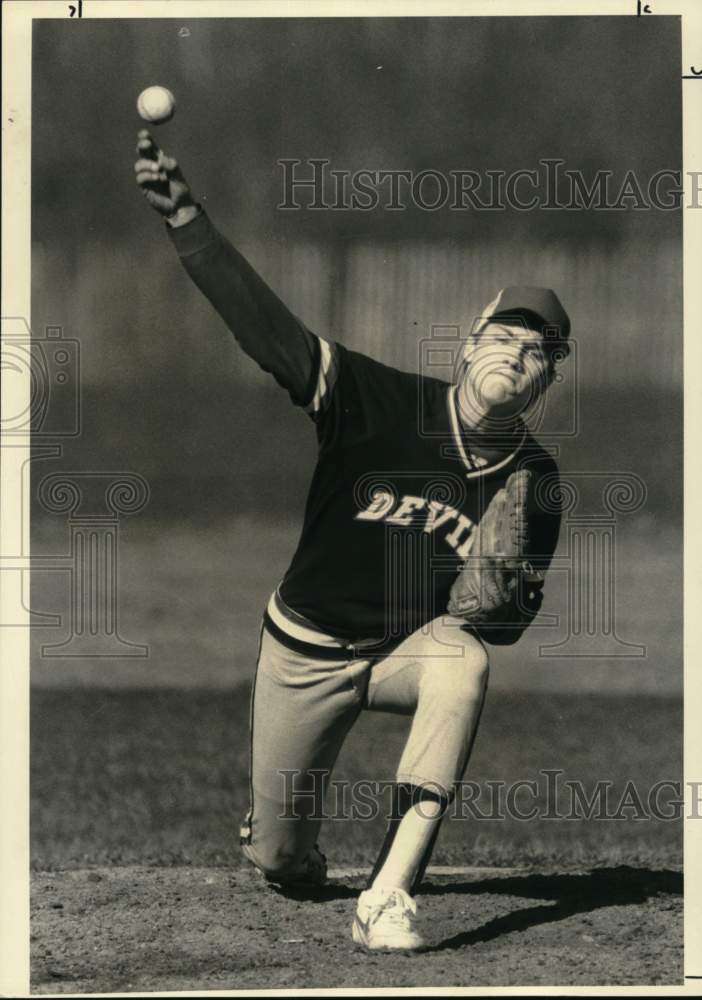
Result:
{"points": [[398, 907]]}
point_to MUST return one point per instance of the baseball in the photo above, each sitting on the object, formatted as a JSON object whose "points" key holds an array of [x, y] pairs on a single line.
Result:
{"points": [[156, 105]]}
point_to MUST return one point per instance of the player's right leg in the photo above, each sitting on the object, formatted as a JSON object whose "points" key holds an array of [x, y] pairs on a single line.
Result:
{"points": [[302, 710]]}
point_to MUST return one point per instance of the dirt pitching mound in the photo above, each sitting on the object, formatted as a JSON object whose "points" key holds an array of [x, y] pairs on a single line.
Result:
{"points": [[137, 928]]}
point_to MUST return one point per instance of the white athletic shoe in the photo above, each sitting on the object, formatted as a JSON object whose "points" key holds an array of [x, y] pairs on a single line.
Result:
{"points": [[385, 921]]}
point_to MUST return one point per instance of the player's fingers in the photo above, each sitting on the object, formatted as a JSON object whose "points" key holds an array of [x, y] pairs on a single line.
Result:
{"points": [[169, 163], [143, 135], [142, 165], [150, 177], [158, 201], [146, 145]]}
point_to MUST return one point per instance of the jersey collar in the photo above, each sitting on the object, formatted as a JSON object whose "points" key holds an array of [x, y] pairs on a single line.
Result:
{"points": [[475, 465]]}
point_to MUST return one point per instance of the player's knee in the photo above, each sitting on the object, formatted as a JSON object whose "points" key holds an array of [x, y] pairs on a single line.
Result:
{"points": [[459, 679]]}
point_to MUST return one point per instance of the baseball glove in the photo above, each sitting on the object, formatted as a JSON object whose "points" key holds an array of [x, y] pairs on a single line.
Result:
{"points": [[487, 586]]}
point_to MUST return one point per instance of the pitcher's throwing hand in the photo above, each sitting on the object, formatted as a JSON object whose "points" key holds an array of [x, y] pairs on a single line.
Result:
{"points": [[162, 182]]}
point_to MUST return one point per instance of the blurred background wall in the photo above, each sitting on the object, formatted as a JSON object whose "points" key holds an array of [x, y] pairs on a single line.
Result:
{"points": [[376, 93], [165, 390]]}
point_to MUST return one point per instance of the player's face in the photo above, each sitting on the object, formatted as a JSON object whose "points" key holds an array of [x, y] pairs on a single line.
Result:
{"points": [[508, 369]]}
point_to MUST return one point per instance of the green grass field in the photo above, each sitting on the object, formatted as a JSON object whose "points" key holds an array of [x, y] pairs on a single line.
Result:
{"points": [[160, 777]]}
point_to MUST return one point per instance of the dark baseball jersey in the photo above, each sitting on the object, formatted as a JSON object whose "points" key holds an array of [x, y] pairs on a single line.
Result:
{"points": [[396, 492]]}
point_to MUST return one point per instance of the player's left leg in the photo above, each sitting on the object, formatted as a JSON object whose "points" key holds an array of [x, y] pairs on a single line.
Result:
{"points": [[440, 676]]}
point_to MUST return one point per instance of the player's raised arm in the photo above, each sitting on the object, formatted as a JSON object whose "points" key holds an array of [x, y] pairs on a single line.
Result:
{"points": [[264, 327]]}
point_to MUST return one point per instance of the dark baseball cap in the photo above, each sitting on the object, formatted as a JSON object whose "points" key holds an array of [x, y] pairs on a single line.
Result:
{"points": [[538, 308]]}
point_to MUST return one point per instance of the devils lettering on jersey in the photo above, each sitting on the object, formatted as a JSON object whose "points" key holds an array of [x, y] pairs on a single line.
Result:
{"points": [[433, 515], [393, 502]]}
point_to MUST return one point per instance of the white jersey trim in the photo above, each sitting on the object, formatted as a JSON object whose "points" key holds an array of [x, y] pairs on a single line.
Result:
{"points": [[470, 461], [326, 377], [297, 631]]}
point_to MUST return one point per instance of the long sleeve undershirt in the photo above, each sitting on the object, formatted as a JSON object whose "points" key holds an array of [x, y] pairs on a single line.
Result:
{"points": [[264, 327]]}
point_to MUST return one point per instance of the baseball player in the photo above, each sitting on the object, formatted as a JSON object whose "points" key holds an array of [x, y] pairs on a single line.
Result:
{"points": [[423, 544]]}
